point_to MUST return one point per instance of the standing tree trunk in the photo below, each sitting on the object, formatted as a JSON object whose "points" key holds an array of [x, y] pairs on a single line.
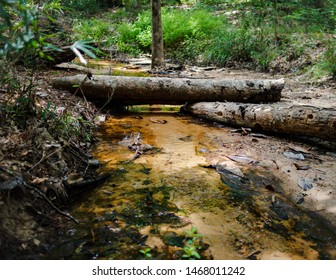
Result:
{"points": [[157, 36]]}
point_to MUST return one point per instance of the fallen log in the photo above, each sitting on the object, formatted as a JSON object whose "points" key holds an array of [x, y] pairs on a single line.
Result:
{"points": [[120, 90], [281, 117]]}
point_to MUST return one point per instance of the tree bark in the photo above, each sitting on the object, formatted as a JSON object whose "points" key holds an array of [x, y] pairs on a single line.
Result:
{"points": [[281, 117], [123, 90], [158, 61]]}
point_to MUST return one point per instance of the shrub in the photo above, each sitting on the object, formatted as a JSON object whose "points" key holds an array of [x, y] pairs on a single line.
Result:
{"points": [[256, 35], [97, 30], [330, 58]]}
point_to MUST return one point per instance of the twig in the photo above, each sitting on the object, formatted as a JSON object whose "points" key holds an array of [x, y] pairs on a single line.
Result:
{"points": [[88, 76], [18, 181], [50, 203], [108, 101], [42, 159]]}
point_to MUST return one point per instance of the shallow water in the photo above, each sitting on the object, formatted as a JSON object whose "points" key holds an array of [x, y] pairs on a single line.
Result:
{"points": [[173, 192]]}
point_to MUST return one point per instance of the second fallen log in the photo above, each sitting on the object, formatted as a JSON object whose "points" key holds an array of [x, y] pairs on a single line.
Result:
{"points": [[281, 117], [153, 90]]}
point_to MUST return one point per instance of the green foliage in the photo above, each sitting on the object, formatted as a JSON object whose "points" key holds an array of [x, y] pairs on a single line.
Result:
{"points": [[193, 234], [190, 251], [193, 244], [179, 28], [19, 38], [327, 63], [24, 41], [311, 15], [66, 124], [83, 6], [146, 252], [330, 58]]}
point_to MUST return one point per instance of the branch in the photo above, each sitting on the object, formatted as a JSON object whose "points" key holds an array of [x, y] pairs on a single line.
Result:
{"points": [[50, 203], [17, 181]]}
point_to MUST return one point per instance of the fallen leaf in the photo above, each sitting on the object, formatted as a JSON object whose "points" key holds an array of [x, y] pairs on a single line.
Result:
{"points": [[301, 167], [186, 138], [158, 121], [37, 242], [291, 155], [241, 158], [241, 130], [38, 180], [299, 149], [25, 152], [258, 135], [231, 175]]}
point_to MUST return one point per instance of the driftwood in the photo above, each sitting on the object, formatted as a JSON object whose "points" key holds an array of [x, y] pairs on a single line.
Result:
{"points": [[153, 90], [281, 117]]}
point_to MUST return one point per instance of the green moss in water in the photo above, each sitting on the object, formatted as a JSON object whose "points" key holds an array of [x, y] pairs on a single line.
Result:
{"points": [[118, 72]]}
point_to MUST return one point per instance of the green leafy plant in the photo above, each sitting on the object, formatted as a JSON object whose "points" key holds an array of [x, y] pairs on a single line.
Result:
{"points": [[190, 251], [330, 58], [47, 112], [193, 234], [25, 41], [146, 252], [193, 244]]}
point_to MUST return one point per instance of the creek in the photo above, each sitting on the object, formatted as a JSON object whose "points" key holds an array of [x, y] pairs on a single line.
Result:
{"points": [[175, 194]]}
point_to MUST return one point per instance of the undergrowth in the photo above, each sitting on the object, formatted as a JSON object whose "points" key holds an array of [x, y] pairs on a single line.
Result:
{"points": [[260, 35]]}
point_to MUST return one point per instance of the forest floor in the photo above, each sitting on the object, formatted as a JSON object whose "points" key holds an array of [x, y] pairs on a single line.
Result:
{"points": [[27, 219]]}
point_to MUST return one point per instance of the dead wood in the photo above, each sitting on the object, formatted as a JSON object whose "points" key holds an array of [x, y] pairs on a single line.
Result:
{"points": [[11, 183], [153, 90], [87, 183], [18, 181], [282, 117], [42, 195]]}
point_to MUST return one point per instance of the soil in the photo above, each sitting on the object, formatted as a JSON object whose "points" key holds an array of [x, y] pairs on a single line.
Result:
{"points": [[28, 223]]}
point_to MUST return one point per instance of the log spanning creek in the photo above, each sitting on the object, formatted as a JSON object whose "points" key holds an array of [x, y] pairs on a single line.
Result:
{"points": [[184, 189]]}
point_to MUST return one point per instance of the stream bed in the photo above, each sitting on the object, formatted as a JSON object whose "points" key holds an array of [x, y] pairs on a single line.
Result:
{"points": [[184, 189]]}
